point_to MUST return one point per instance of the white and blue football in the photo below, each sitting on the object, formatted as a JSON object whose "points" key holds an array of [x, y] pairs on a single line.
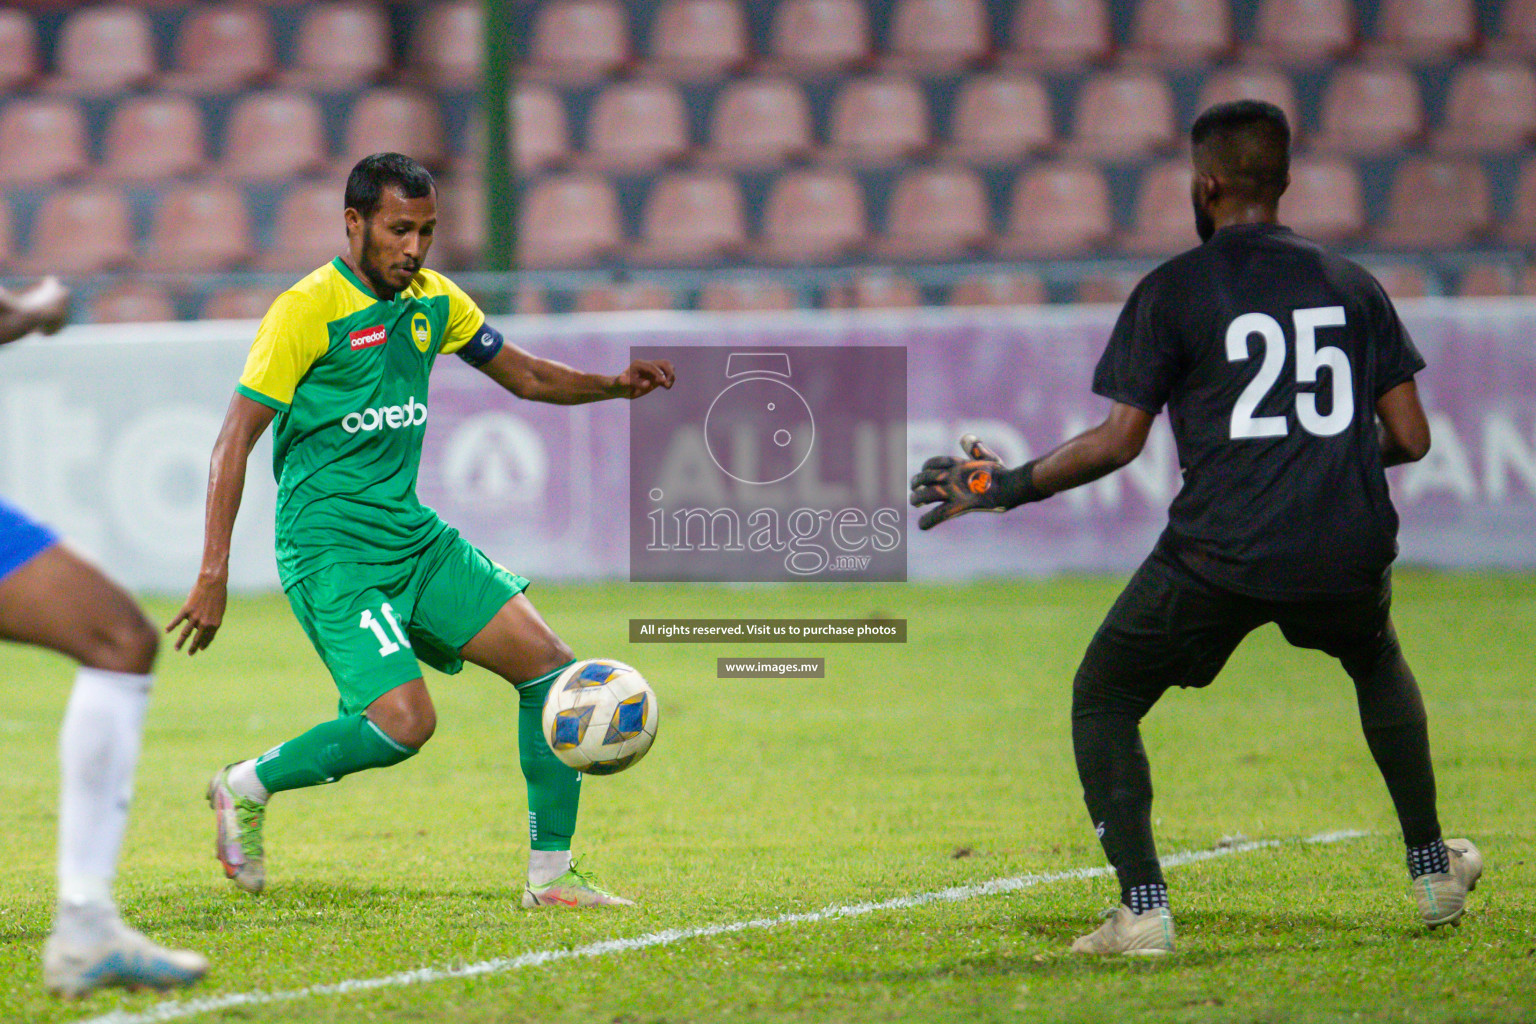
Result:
{"points": [[600, 716]]}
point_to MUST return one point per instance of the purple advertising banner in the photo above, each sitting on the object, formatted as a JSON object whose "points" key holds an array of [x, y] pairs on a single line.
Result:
{"points": [[546, 490]]}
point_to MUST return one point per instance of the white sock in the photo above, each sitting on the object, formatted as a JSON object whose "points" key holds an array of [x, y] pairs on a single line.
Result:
{"points": [[243, 780], [98, 752], [544, 866]]}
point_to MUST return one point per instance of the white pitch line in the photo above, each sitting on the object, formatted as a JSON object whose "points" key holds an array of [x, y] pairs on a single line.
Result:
{"points": [[180, 1010]]}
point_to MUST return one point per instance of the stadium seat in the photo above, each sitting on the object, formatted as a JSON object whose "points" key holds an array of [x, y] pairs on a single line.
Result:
{"points": [[624, 297], [878, 121], [1109, 288], [1304, 33], [530, 301], [1520, 227], [568, 220], [1123, 115], [397, 120], [1058, 209], [820, 36], [813, 216], [1487, 281], [637, 126], [1436, 202], [1252, 82], [151, 138], [692, 217], [1517, 30], [239, 303], [936, 213], [309, 228], [42, 140], [1001, 118], [131, 302], [1401, 280], [342, 44], [938, 36], [461, 223], [747, 294], [1324, 201], [541, 133], [1180, 33], [81, 231], [20, 64], [1369, 110], [578, 41], [201, 228], [1492, 108], [759, 122], [1164, 221], [1060, 34], [874, 290], [697, 40], [1016, 288], [105, 49], [448, 45], [223, 46], [1425, 29], [274, 136]]}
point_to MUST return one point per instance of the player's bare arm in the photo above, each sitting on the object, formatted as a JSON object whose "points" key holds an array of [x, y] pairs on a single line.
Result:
{"points": [[203, 612], [1404, 428], [42, 307], [544, 380]]}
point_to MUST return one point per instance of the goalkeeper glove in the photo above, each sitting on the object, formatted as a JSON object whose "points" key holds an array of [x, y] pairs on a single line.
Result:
{"points": [[980, 481]]}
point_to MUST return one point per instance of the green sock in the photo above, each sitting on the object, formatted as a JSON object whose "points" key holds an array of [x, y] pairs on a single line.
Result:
{"points": [[327, 752], [554, 788]]}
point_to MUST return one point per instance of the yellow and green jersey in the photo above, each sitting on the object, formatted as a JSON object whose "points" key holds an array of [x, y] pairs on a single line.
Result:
{"points": [[347, 373]]}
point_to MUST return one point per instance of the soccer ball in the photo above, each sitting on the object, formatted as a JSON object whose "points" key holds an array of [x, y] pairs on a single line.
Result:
{"points": [[600, 716]]}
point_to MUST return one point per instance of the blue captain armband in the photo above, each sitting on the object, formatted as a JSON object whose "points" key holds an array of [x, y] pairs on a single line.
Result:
{"points": [[482, 348]]}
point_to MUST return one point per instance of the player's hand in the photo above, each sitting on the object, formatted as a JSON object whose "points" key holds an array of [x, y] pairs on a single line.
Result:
{"points": [[203, 613], [48, 301], [959, 486], [643, 377]]}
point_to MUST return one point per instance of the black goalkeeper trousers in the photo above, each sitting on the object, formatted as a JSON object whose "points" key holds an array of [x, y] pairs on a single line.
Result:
{"points": [[1171, 628]]}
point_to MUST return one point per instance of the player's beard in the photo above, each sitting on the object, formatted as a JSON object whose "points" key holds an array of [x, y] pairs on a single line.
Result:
{"points": [[370, 266]]}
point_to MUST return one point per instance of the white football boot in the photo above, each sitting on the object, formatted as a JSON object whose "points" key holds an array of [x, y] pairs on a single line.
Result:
{"points": [[1149, 933], [118, 956], [1442, 896]]}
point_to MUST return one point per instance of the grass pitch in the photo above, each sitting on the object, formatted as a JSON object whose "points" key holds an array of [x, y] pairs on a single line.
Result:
{"points": [[942, 762]]}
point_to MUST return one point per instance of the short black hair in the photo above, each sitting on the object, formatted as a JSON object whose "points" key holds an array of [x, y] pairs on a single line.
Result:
{"points": [[1247, 142], [373, 174]]}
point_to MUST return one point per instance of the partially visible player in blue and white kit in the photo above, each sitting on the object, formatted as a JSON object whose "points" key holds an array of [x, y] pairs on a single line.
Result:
{"points": [[50, 598]]}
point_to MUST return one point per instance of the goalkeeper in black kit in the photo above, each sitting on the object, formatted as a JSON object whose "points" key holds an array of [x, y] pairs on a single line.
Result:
{"points": [[1289, 384]]}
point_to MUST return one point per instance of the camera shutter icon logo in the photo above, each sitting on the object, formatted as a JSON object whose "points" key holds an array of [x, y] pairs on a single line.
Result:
{"points": [[759, 429]]}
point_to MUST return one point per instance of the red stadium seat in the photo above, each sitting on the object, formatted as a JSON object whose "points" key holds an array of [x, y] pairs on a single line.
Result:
{"points": [[1324, 200], [1250, 82], [747, 294], [274, 136], [820, 36], [579, 40], [878, 121], [1017, 288], [1123, 115], [813, 216], [1426, 29], [448, 45], [1164, 222], [342, 44], [81, 231], [309, 231], [20, 64], [1058, 209], [1107, 288], [223, 46], [151, 138], [1305, 33], [541, 133], [939, 36], [1401, 281], [626, 297], [105, 49], [936, 213], [696, 40], [1437, 202], [759, 122], [1517, 30], [874, 290], [131, 302], [239, 303], [1370, 109], [692, 217], [1181, 33], [1001, 118], [395, 120], [202, 228], [637, 125], [1060, 34], [1487, 281], [461, 223], [568, 220], [41, 140], [1492, 108], [1520, 228]]}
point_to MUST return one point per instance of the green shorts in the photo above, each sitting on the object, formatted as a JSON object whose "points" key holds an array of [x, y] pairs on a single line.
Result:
{"points": [[372, 623]]}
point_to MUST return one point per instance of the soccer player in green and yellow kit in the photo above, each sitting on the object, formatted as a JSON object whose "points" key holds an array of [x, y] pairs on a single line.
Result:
{"points": [[377, 580]]}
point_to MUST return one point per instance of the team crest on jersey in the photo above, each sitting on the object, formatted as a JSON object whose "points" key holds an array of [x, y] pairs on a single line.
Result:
{"points": [[421, 331]]}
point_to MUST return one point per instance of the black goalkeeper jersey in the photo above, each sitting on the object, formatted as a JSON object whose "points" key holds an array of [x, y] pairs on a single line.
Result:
{"points": [[1270, 354]]}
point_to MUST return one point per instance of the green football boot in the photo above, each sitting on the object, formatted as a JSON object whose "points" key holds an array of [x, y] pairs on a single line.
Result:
{"points": [[238, 842]]}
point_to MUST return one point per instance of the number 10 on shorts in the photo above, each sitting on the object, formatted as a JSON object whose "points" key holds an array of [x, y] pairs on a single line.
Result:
{"points": [[371, 621]]}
